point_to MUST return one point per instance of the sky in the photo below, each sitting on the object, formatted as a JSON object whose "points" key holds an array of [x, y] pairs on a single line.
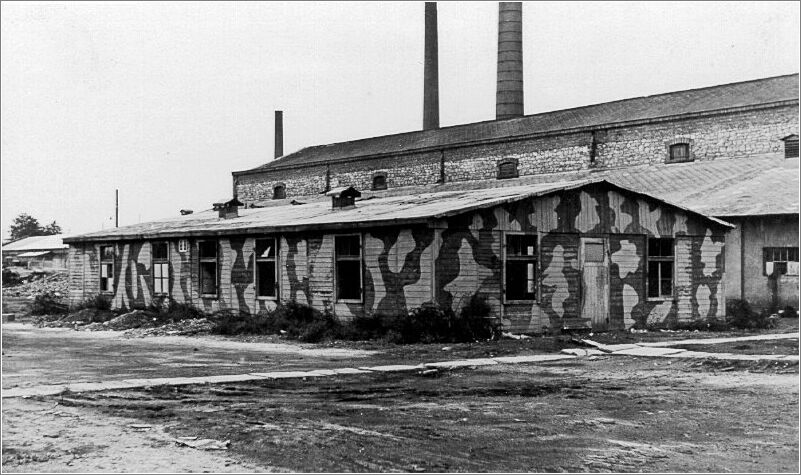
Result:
{"points": [[164, 100]]}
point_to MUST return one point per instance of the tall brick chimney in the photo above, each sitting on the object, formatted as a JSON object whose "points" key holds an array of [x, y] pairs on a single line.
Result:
{"points": [[509, 96], [279, 133], [431, 70]]}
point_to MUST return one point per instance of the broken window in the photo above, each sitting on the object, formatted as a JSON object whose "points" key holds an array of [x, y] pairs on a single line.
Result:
{"points": [[107, 269], [279, 192], [780, 261], [266, 269], [161, 268], [183, 245], [679, 152], [348, 257], [660, 267], [207, 252], [521, 267]]}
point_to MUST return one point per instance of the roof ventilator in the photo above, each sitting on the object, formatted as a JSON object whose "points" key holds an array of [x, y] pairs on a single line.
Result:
{"points": [[227, 208], [343, 197]]}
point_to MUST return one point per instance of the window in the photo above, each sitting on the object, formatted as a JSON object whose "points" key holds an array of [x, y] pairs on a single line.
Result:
{"points": [[791, 146], [107, 269], [279, 192], [660, 267], [780, 261], [348, 257], [207, 251], [521, 267], [266, 270], [680, 152], [161, 268], [183, 245], [380, 181], [507, 169]]}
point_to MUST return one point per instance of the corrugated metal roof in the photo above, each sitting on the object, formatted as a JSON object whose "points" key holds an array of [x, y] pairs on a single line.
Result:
{"points": [[37, 243], [742, 94], [369, 212]]}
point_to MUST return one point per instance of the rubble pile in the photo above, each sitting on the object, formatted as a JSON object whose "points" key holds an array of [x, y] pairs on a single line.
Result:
{"points": [[126, 321], [184, 327], [39, 283]]}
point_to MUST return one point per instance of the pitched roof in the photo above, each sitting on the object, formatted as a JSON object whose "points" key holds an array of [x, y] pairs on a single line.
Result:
{"points": [[693, 101], [372, 211], [37, 243]]}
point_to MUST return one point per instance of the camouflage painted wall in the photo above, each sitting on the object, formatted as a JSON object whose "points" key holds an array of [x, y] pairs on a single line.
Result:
{"points": [[450, 261]]}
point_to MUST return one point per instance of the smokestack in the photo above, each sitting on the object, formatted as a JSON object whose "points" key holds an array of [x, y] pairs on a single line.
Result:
{"points": [[279, 133], [431, 70], [509, 97]]}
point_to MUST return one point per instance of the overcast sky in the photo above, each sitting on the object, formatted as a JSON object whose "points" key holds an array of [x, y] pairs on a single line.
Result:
{"points": [[164, 100]]}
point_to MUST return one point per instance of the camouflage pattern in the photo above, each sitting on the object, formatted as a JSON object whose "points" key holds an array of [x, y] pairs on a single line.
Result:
{"points": [[450, 260]]}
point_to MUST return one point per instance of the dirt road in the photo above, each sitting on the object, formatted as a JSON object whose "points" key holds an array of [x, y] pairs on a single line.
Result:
{"points": [[608, 413]]}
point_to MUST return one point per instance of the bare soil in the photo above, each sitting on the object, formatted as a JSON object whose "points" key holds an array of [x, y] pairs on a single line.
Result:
{"points": [[598, 415], [754, 347]]}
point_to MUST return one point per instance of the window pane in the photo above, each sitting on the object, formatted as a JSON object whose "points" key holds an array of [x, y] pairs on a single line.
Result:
{"points": [[660, 247], [347, 246], [667, 269], [208, 249], [667, 287], [157, 271], [653, 279], [521, 245], [159, 250], [349, 280], [521, 280], [208, 278], [265, 248], [266, 276], [106, 253]]}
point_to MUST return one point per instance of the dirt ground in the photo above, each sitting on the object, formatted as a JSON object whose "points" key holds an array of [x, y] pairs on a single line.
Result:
{"points": [[607, 414], [597, 414]]}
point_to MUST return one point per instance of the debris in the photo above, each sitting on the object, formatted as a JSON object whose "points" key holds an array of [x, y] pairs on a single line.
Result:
{"points": [[190, 326], [447, 348], [204, 444], [514, 336], [140, 427], [429, 372]]}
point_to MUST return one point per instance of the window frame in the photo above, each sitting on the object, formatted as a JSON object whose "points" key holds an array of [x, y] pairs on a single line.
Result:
{"points": [[109, 279], [282, 187], [659, 259], [789, 250], [208, 260], [183, 245], [514, 258], [670, 145], [507, 161], [276, 267], [160, 261], [377, 175], [360, 259]]}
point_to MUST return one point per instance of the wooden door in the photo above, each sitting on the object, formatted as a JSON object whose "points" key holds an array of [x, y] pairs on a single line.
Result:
{"points": [[595, 282]]}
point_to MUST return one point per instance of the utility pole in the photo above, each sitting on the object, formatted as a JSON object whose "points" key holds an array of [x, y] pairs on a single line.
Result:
{"points": [[117, 208]]}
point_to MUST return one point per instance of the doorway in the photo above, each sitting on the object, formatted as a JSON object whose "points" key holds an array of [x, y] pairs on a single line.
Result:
{"points": [[595, 282]]}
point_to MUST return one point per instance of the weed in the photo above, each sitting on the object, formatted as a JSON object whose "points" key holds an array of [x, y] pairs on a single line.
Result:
{"points": [[98, 302], [47, 304]]}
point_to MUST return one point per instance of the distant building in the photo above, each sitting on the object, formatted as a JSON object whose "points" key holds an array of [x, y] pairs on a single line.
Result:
{"points": [[37, 252]]}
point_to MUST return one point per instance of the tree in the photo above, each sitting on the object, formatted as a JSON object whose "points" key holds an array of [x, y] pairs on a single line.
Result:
{"points": [[52, 228], [26, 225]]}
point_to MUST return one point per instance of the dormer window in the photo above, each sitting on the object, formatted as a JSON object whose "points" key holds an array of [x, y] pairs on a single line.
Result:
{"points": [[679, 150], [379, 181], [507, 169], [343, 197], [279, 191], [791, 146]]}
